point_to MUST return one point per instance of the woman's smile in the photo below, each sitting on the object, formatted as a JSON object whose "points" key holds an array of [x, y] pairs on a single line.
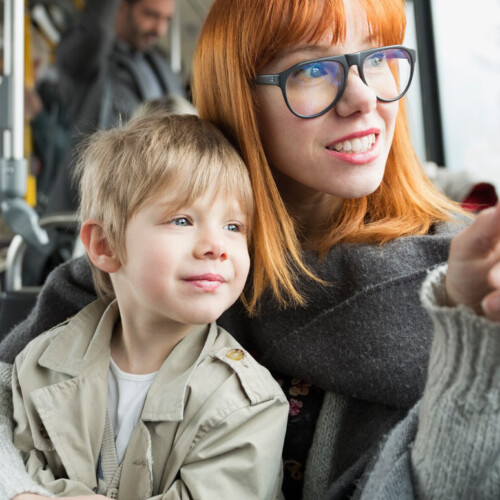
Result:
{"points": [[357, 148]]}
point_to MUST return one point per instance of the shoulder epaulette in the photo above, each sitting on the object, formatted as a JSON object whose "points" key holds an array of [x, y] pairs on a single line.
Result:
{"points": [[257, 382]]}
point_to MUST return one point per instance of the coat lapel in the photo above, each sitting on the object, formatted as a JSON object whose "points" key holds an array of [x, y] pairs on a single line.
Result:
{"points": [[137, 472], [73, 414], [73, 411]]}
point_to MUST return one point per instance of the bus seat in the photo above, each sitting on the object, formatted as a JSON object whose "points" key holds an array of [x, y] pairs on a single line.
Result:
{"points": [[17, 300]]}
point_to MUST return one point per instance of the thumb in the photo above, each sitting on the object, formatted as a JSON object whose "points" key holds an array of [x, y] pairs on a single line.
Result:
{"points": [[480, 238]]}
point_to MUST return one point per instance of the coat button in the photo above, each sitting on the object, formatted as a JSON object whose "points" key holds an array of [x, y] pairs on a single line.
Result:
{"points": [[235, 354], [112, 493]]}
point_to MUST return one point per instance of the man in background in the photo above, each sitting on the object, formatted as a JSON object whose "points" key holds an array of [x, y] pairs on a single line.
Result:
{"points": [[108, 64], [109, 61]]}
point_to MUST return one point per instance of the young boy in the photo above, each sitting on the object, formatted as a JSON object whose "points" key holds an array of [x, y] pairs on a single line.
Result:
{"points": [[141, 395]]}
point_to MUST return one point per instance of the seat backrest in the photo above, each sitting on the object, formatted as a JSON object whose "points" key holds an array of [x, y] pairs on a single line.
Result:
{"points": [[15, 306]]}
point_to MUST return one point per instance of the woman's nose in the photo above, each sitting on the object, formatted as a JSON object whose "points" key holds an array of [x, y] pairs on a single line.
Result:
{"points": [[357, 96]]}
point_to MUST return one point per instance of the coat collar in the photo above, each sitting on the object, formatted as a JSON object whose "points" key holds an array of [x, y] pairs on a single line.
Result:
{"points": [[83, 346], [166, 398], [84, 340]]}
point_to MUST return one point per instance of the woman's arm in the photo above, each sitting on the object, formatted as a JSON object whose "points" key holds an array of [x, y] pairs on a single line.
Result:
{"points": [[456, 453], [15, 479], [449, 444]]}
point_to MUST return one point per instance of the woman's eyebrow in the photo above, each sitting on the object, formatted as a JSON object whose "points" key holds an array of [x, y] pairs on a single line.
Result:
{"points": [[314, 48]]}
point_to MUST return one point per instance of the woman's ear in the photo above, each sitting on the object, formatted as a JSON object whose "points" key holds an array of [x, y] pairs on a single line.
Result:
{"points": [[98, 250]]}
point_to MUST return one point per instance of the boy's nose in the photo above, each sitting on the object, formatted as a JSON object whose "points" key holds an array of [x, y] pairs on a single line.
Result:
{"points": [[210, 246]]}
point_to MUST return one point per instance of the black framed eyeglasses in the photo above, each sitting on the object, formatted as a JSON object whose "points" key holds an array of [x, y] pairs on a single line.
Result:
{"points": [[311, 88]]}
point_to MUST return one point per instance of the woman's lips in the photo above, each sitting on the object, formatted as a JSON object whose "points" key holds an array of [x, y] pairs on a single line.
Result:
{"points": [[357, 148]]}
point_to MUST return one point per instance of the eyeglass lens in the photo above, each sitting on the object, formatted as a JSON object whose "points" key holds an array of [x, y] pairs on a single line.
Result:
{"points": [[312, 87]]}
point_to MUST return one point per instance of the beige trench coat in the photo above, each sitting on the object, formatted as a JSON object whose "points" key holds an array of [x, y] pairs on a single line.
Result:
{"points": [[212, 426]]}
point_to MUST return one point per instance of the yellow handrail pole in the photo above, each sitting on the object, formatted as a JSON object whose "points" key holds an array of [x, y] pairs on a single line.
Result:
{"points": [[29, 85]]}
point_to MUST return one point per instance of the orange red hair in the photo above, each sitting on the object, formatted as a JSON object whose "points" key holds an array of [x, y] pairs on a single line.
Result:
{"points": [[238, 39]]}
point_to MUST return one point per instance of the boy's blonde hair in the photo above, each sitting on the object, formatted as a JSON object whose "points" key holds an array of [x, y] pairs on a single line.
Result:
{"points": [[120, 170]]}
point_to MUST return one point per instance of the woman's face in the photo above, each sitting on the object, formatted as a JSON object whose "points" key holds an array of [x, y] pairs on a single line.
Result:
{"points": [[311, 156]]}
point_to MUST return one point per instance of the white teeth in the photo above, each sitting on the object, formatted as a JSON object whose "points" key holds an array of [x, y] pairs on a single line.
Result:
{"points": [[357, 145]]}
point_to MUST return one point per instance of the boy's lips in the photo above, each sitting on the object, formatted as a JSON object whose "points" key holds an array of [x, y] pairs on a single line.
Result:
{"points": [[208, 281]]}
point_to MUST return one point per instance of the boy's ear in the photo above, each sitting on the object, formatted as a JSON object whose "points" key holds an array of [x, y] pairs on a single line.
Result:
{"points": [[98, 250]]}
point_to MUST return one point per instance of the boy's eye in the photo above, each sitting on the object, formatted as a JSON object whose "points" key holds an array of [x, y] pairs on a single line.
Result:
{"points": [[180, 221]]}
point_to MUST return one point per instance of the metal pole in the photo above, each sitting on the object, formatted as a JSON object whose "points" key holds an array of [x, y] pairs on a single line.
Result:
{"points": [[17, 71], [175, 40], [13, 166], [429, 82], [7, 70]]}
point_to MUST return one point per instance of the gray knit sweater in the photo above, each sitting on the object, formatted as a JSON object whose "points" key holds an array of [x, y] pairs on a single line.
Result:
{"points": [[448, 446]]}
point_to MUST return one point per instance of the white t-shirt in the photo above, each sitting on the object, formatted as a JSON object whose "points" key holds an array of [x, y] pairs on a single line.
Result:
{"points": [[126, 396]]}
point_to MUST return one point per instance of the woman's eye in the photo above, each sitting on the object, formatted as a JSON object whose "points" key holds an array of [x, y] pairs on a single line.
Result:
{"points": [[180, 221], [316, 70], [377, 60], [233, 227]]}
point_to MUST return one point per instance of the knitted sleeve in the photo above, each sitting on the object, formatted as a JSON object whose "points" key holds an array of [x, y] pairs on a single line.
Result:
{"points": [[448, 445], [456, 450], [14, 478]]}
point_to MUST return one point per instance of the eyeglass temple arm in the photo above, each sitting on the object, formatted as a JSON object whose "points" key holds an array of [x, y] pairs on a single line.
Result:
{"points": [[267, 79]]}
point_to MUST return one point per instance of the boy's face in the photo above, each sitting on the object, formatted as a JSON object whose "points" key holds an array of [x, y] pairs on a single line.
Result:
{"points": [[183, 267]]}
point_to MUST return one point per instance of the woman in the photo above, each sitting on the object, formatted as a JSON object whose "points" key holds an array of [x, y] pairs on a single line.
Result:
{"points": [[354, 226]]}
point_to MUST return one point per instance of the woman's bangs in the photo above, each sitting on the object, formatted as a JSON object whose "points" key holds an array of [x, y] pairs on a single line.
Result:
{"points": [[386, 19], [293, 22], [310, 21]]}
